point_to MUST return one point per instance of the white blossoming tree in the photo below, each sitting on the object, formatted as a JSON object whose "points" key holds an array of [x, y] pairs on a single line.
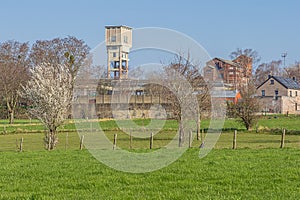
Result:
{"points": [[49, 91]]}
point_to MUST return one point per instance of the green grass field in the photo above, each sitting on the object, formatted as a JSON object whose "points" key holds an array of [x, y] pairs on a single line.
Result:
{"points": [[258, 169], [223, 174]]}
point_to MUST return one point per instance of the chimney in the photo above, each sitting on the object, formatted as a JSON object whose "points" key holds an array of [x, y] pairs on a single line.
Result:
{"points": [[269, 76]]}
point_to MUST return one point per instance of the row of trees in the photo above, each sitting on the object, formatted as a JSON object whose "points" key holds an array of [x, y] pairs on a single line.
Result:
{"points": [[43, 76], [16, 60]]}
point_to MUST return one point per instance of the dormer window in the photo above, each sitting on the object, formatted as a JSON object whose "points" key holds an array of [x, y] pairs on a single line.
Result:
{"points": [[272, 82]]}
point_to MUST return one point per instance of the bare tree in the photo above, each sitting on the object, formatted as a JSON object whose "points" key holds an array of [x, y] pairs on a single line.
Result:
{"points": [[265, 69], [13, 73], [69, 51], [293, 71], [176, 75], [246, 109], [49, 92], [250, 53]]}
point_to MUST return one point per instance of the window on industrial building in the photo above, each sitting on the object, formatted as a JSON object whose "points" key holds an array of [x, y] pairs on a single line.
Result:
{"points": [[125, 39], [113, 38], [263, 93]]}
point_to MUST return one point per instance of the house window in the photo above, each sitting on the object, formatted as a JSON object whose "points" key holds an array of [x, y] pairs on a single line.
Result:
{"points": [[276, 92], [114, 54], [272, 82], [263, 93], [291, 94], [296, 93], [296, 106], [113, 38]]}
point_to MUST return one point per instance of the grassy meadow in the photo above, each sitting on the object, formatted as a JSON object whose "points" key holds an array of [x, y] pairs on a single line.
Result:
{"points": [[258, 169]]}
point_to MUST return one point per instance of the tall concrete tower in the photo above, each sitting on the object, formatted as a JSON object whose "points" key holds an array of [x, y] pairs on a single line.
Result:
{"points": [[118, 44]]}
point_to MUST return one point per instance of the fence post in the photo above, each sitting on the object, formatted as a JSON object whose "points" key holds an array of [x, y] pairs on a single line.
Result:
{"points": [[130, 138], [81, 142], [282, 138], [67, 142], [115, 141], [21, 144], [202, 135], [198, 128], [234, 139], [4, 130], [190, 139], [151, 140], [17, 145]]}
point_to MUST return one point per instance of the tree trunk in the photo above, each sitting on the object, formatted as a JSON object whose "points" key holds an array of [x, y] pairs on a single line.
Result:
{"points": [[11, 112], [51, 140], [181, 135], [11, 116]]}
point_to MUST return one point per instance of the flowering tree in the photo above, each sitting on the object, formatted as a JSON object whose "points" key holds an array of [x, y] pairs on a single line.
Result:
{"points": [[49, 92]]}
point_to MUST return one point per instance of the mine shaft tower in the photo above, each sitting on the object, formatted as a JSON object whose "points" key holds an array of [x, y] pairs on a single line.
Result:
{"points": [[118, 43]]}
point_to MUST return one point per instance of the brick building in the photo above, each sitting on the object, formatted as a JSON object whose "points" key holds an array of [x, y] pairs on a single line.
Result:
{"points": [[232, 72]]}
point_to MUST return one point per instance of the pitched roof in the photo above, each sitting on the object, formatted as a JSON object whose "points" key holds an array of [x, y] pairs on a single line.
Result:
{"points": [[228, 61], [288, 83]]}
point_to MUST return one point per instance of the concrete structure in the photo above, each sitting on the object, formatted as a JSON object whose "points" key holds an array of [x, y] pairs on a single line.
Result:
{"points": [[118, 43], [227, 95], [279, 95], [232, 72]]}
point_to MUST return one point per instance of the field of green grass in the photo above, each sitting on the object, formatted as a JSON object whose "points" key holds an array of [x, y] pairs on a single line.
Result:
{"points": [[223, 174], [258, 169]]}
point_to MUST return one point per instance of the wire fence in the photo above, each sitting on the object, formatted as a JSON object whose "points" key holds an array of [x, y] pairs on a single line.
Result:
{"points": [[131, 140]]}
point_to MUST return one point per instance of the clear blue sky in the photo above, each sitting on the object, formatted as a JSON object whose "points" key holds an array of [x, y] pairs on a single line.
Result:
{"points": [[220, 26]]}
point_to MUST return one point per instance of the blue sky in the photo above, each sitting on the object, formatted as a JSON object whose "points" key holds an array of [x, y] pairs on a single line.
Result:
{"points": [[269, 27]]}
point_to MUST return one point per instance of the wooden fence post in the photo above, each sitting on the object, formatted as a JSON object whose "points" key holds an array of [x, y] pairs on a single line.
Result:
{"points": [[190, 139], [21, 144], [67, 142], [17, 145], [151, 140], [81, 142], [282, 138], [130, 138], [115, 141], [234, 139], [198, 128]]}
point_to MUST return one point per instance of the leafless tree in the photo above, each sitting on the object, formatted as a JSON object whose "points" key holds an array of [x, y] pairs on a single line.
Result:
{"points": [[49, 92], [69, 51], [250, 53], [246, 109], [13, 73], [265, 69], [176, 76], [293, 71]]}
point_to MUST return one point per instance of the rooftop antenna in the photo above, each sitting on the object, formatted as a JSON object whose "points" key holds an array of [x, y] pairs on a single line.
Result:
{"points": [[284, 55]]}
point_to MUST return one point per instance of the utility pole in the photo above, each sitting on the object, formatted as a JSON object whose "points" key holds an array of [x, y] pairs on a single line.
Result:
{"points": [[284, 55]]}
